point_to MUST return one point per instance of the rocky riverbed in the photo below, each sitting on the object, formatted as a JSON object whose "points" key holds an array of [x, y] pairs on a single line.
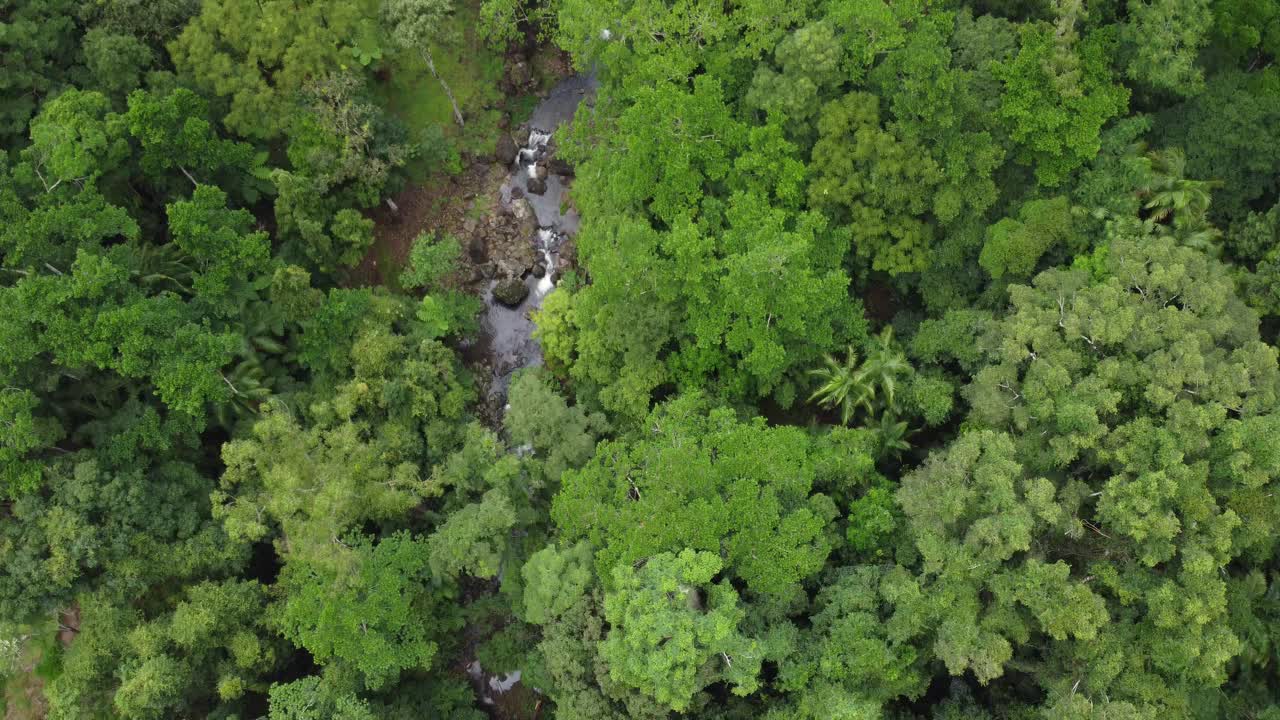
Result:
{"points": [[526, 244], [519, 250]]}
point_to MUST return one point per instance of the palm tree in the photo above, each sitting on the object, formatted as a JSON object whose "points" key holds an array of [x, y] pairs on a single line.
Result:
{"points": [[893, 435], [886, 366], [843, 385], [1179, 203], [849, 385]]}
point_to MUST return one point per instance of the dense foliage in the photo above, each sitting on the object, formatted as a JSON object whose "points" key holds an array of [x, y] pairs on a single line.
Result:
{"points": [[919, 361]]}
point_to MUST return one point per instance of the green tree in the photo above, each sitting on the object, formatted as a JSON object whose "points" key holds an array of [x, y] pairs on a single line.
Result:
{"points": [[561, 437], [122, 522], [218, 244], [673, 631], [1226, 134], [810, 62], [207, 650], [871, 385], [71, 140], [414, 25], [500, 20], [173, 132], [374, 612], [1179, 205], [857, 651], [1057, 97], [473, 538], [116, 60], [1243, 28], [311, 698], [37, 50], [1165, 37], [1014, 246], [431, 262], [721, 323], [699, 479], [344, 153], [1257, 241], [880, 184], [259, 55], [314, 484], [555, 581], [1106, 484]]}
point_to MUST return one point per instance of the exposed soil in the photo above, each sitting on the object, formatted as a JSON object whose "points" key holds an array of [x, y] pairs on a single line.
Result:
{"points": [[68, 625], [26, 695], [443, 204]]}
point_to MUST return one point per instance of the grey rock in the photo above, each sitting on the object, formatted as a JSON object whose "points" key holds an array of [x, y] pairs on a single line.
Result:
{"points": [[506, 150], [539, 270], [510, 292], [519, 74], [525, 216], [537, 186], [560, 167]]}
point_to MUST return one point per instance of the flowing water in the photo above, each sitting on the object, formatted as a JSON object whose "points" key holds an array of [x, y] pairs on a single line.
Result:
{"points": [[508, 332]]}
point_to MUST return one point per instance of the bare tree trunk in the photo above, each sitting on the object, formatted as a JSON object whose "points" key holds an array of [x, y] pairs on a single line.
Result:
{"points": [[431, 65]]}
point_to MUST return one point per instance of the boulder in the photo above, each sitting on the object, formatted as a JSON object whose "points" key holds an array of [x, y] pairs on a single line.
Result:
{"points": [[519, 74], [523, 212], [568, 253], [540, 171], [521, 135], [510, 292], [537, 186], [509, 239], [560, 167], [477, 250], [517, 192], [506, 150], [539, 270]]}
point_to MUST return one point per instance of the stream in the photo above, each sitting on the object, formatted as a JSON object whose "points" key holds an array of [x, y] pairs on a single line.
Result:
{"points": [[508, 332]]}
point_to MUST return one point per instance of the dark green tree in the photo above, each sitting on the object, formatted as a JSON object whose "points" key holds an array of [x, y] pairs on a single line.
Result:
{"points": [[1107, 483]]}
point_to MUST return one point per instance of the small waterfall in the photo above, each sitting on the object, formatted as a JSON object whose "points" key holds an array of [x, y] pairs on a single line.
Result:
{"points": [[548, 242], [507, 332], [538, 139], [548, 239]]}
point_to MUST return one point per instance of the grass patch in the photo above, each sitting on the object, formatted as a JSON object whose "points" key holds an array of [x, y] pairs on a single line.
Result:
{"points": [[477, 211], [389, 267], [473, 71], [37, 661], [521, 107]]}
